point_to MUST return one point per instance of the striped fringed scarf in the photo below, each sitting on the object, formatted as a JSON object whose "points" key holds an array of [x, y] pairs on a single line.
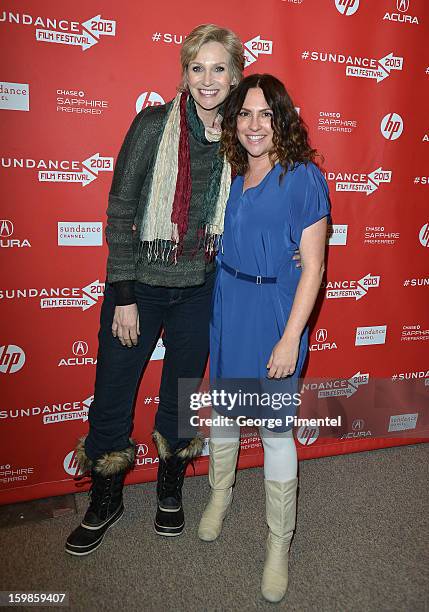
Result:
{"points": [[165, 220]]}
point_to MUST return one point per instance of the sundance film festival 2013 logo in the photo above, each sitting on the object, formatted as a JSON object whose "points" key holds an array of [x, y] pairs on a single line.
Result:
{"points": [[347, 7], [359, 181], [58, 412], [339, 387], [358, 66], [355, 289], [63, 171], [158, 351], [58, 297], [63, 31], [12, 359], [254, 48], [7, 238], [69, 411], [392, 126]]}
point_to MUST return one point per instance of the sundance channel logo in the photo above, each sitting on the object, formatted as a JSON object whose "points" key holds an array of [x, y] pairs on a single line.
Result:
{"points": [[374, 334], [14, 96], [80, 233], [337, 235]]}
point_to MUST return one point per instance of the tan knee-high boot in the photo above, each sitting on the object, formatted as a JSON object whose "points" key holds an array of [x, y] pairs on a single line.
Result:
{"points": [[223, 461], [281, 516]]}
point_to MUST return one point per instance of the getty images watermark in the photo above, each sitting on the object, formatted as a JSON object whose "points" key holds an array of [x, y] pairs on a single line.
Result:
{"points": [[355, 406], [241, 402]]}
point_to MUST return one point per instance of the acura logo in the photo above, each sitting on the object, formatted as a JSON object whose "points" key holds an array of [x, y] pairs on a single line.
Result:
{"points": [[358, 424], [80, 348], [6, 228], [402, 5], [321, 335], [142, 450]]}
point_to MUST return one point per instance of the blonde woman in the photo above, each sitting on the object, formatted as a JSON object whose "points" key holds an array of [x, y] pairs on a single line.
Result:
{"points": [[170, 182]]}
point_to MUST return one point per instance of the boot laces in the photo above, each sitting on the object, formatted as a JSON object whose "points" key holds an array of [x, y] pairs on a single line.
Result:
{"points": [[100, 493], [173, 476]]}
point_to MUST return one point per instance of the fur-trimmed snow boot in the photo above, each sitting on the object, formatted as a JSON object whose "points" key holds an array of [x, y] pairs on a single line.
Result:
{"points": [[223, 461], [281, 517], [106, 505], [170, 519]]}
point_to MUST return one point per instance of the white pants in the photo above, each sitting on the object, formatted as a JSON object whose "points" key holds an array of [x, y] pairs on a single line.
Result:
{"points": [[280, 458]]}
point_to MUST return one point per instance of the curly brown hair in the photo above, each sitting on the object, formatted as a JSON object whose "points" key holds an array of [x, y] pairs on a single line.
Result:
{"points": [[290, 138]]}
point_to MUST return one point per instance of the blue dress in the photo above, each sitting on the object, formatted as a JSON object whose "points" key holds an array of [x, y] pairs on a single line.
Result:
{"points": [[263, 228]]}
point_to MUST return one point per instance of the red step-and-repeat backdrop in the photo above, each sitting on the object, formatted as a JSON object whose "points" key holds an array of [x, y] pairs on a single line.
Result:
{"points": [[74, 77]]}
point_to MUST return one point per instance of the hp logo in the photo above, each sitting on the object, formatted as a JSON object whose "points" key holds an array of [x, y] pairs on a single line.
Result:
{"points": [[424, 235], [148, 98], [347, 7], [307, 435], [392, 126], [12, 358], [71, 465]]}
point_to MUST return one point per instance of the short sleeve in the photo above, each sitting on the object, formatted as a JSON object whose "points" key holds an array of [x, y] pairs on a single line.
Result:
{"points": [[309, 199]]}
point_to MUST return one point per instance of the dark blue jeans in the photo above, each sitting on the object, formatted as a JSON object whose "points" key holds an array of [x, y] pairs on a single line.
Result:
{"points": [[184, 314]]}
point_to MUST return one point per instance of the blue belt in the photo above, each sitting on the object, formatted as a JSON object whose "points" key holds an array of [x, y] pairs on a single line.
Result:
{"points": [[259, 280]]}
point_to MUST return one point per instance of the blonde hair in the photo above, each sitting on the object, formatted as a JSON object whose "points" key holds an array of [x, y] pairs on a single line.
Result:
{"points": [[209, 32]]}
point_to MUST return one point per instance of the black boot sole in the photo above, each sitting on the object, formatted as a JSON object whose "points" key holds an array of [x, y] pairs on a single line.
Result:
{"points": [[169, 531], [82, 551]]}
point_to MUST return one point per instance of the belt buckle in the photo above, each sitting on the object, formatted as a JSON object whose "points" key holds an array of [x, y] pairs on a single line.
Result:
{"points": [[259, 280]]}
